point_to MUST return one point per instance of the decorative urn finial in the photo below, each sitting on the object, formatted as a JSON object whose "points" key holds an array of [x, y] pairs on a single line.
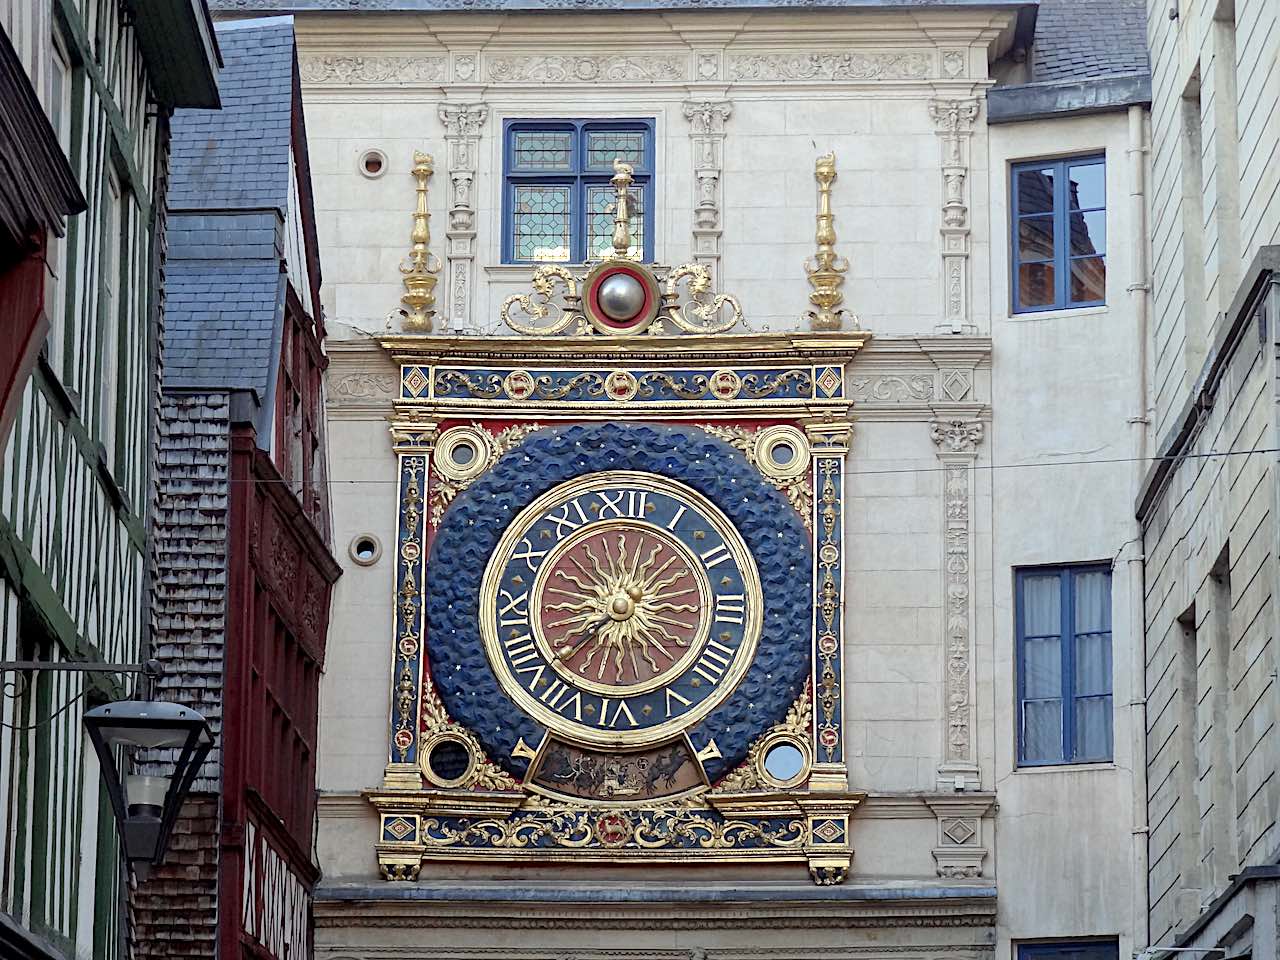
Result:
{"points": [[421, 267], [826, 270]]}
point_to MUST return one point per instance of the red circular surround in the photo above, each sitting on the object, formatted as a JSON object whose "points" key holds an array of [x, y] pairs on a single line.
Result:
{"points": [[594, 298]]}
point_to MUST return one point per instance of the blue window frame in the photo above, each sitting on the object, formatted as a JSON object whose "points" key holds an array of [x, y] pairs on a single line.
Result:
{"points": [[1059, 234], [1078, 950], [556, 191], [1064, 664]]}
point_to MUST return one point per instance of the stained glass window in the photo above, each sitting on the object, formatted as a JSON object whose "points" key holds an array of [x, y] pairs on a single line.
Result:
{"points": [[541, 223], [600, 214], [542, 150], [1059, 234], [558, 195], [604, 146]]}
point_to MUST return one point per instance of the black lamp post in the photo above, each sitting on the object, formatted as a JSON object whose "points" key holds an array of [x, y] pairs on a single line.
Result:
{"points": [[146, 807]]}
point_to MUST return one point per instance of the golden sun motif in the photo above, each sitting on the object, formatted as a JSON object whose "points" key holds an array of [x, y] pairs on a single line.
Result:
{"points": [[622, 606]]}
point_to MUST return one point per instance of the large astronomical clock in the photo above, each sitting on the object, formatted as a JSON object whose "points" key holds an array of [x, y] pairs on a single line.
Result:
{"points": [[619, 584]]}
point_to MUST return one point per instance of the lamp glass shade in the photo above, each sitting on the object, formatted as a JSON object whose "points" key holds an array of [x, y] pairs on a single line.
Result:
{"points": [[144, 796]]}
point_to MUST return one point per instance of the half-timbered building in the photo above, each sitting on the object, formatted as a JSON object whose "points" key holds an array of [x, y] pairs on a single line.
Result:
{"points": [[79, 381], [242, 522]]}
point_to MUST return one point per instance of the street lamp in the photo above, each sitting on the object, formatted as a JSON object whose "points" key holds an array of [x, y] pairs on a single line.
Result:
{"points": [[146, 807]]}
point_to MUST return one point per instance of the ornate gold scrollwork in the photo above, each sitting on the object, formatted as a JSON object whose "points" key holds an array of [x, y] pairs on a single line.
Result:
{"points": [[540, 305], [702, 304]]}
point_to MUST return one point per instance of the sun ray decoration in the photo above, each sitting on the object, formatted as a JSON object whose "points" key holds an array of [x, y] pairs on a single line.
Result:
{"points": [[624, 604]]}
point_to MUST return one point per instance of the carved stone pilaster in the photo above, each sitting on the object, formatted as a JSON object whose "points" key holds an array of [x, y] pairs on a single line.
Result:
{"points": [[960, 850], [463, 125], [707, 119], [954, 120], [957, 433]]}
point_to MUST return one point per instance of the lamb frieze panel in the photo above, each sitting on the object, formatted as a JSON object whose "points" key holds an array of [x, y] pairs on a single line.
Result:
{"points": [[346, 71], [612, 68], [843, 66]]}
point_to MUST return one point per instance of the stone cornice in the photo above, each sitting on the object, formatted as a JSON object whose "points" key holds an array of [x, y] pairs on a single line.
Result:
{"points": [[708, 906]]}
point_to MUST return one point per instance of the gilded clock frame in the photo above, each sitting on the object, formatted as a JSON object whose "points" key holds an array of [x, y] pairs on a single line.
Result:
{"points": [[755, 382]]}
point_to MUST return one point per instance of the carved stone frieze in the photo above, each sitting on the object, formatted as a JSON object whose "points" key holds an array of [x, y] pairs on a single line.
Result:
{"points": [[611, 68], [848, 66], [892, 388], [346, 71], [362, 387]]}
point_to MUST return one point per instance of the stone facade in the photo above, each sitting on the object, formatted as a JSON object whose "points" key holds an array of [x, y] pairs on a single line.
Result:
{"points": [[1208, 506], [955, 477]]}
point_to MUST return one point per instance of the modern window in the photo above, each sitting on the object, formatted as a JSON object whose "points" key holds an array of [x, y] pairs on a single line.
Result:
{"points": [[1059, 234], [558, 202], [1064, 664], [1080, 950]]}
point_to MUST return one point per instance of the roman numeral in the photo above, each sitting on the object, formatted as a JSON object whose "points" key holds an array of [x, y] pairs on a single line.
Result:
{"points": [[625, 503], [715, 555], [672, 695], [565, 523], [513, 605], [671, 524], [714, 661], [524, 551], [561, 697], [606, 721], [730, 608]]}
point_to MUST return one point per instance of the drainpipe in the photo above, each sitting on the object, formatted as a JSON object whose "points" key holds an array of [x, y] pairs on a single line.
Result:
{"points": [[1139, 298]]}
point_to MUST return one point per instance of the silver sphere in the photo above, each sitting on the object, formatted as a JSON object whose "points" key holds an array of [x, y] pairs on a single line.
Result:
{"points": [[621, 297]]}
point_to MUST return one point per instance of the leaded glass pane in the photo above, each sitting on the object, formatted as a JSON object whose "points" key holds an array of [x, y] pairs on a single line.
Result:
{"points": [[600, 222], [603, 146], [542, 150], [541, 225]]}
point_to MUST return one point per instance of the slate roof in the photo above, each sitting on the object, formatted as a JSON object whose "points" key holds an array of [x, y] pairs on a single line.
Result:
{"points": [[239, 156], [1090, 39], [228, 200], [1088, 56]]}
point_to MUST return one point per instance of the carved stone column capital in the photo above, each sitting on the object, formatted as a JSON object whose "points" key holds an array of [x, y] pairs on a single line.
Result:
{"points": [[954, 116], [707, 116], [463, 119], [957, 435]]}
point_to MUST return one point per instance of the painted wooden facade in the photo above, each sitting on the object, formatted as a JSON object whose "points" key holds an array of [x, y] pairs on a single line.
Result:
{"points": [[75, 482]]}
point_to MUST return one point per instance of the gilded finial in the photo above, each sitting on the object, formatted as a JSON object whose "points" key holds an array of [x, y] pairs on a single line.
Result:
{"points": [[826, 270], [621, 208], [421, 267]]}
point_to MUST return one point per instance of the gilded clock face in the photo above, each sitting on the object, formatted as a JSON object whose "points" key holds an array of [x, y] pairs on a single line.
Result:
{"points": [[619, 608], [611, 591]]}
